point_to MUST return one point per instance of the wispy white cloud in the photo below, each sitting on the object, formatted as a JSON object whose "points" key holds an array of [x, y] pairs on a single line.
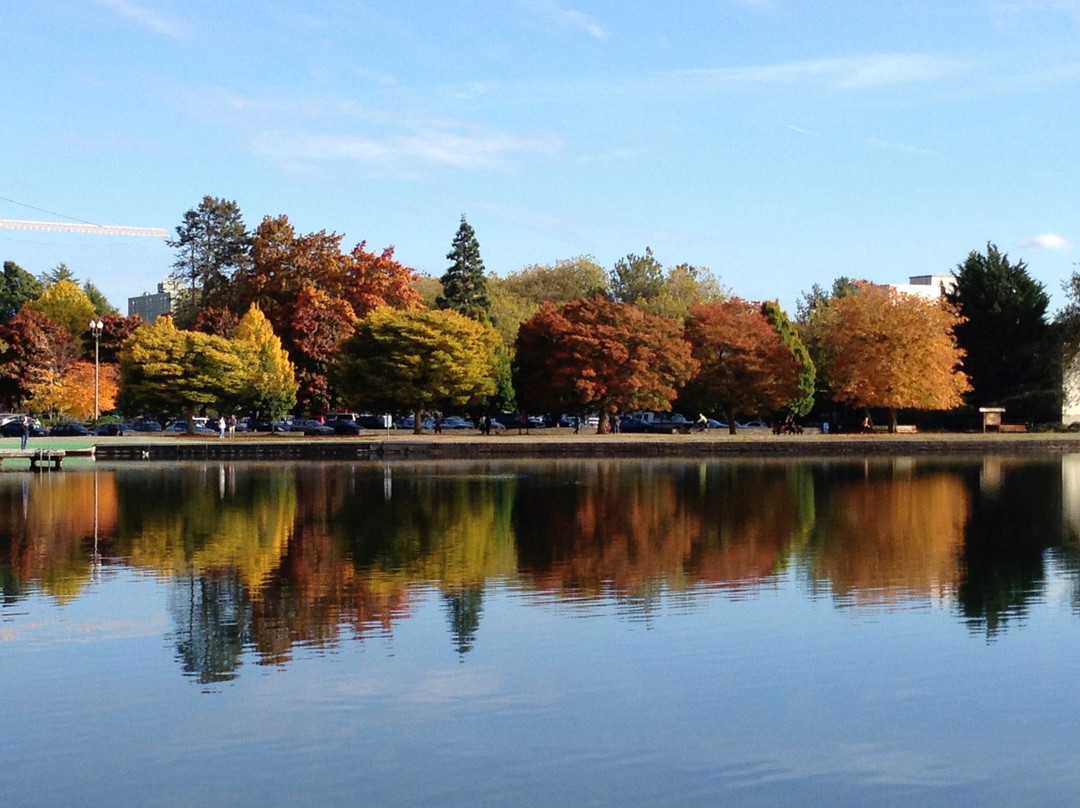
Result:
{"points": [[152, 19], [469, 148], [800, 130], [565, 18], [1047, 241], [853, 73], [886, 145]]}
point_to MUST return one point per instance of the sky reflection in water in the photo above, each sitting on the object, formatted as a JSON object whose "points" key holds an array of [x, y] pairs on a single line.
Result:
{"points": [[524, 633]]}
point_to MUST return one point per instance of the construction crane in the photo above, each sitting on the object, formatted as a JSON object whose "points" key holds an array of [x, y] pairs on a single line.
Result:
{"points": [[100, 229]]}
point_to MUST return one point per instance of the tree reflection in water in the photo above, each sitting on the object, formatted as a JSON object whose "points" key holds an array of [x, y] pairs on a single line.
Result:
{"points": [[263, 559]]}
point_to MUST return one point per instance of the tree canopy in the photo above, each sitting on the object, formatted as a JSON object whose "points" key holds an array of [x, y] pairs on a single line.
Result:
{"points": [[887, 349], [417, 359], [212, 244], [164, 369], [17, 289], [1011, 356], [745, 365], [268, 387], [595, 353]]}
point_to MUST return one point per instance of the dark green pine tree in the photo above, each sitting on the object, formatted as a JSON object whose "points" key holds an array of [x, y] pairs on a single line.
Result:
{"points": [[1012, 358], [465, 283]]}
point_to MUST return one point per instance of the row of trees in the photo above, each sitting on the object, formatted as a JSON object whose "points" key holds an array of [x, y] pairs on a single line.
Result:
{"points": [[359, 329]]}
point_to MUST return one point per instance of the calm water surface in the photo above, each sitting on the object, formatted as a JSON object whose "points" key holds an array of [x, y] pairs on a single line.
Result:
{"points": [[579, 633]]}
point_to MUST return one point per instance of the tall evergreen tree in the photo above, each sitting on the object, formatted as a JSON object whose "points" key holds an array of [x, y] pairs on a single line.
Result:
{"points": [[804, 401], [465, 282], [211, 246], [17, 288], [1012, 357]]}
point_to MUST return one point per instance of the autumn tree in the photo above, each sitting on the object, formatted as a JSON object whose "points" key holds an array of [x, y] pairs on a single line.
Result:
{"points": [[1011, 355], [34, 351], [164, 369], [745, 366], [464, 283], [883, 348], [72, 393], [268, 387], [17, 288], [596, 353], [372, 281], [417, 359], [67, 305]]}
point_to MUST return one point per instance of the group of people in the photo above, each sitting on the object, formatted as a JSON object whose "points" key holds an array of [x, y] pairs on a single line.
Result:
{"points": [[227, 425]]}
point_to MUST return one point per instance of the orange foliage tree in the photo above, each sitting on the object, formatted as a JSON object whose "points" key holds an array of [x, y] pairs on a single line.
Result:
{"points": [[884, 348], [745, 365], [312, 293], [594, 353]]}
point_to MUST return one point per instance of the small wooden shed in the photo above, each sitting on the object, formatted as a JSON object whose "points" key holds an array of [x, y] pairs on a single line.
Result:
{"points": [[991, 417]]}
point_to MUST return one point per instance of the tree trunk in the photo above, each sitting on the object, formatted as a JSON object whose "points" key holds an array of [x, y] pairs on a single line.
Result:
{"points": [[892, 420], [418, 413]]}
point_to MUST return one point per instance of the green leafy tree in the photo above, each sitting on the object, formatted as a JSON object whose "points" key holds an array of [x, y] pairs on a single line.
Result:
{"points": [[212, 244], [18, 288], [269, 382], [636, 278], [803, 401], [60, 272], [1012, 357], [101, 304], [164, 370], [417, 360], [684, 286], [465, 283]]}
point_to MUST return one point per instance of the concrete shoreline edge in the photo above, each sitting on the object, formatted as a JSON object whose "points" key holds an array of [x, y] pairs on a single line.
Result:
{"points": [[607, 446]]}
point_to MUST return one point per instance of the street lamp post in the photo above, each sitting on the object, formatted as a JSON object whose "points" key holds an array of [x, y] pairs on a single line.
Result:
{"points": [[96, 326]]}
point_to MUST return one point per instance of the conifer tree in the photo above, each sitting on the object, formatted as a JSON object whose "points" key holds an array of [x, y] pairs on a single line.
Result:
{"points": [[465, 283]]}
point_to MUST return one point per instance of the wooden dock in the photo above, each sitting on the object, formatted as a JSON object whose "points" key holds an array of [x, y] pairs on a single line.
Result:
{"points": [[48, 459]]}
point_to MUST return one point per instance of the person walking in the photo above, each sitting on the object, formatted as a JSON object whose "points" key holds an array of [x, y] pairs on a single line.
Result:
{"points": [[25, 423], [221, 426], [232, 426]]}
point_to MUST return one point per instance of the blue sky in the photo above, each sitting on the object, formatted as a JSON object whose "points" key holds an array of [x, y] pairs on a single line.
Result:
{"points": [[779, 143]]}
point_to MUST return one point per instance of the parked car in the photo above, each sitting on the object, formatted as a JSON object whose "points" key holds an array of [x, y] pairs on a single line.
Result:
{"points": [[69, 430], [13, 428], [110, 429], [265, 425], [372, 421], [146, 425], [455, 422], [344, 426], [181, 425], [309, 426], [408, 422], [753, 425]]}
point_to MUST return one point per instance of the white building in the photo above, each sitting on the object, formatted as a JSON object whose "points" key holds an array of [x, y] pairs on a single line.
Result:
{"points": [[932, 286]]}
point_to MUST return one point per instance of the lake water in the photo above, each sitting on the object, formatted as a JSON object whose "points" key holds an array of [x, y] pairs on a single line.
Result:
{"points": [[581, 633]]}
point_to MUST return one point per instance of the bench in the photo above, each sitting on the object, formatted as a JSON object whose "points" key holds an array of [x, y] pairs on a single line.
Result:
{"points": [[1012, 428]]}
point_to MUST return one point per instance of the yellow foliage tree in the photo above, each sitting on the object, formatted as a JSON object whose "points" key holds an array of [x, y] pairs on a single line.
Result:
{"points": [[884, 348], [269, 387], [66, 304]]}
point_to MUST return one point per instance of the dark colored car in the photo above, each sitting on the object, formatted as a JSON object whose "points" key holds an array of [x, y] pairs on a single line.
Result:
{"points": [[309, 426], [269, 426], [13, 429], [110, 429], [344, 426], [71, 430], [370, 422], [146, 426]]}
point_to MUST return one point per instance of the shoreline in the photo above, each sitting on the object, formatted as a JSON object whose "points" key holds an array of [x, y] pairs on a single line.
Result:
{"points": [[555, 444]]}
